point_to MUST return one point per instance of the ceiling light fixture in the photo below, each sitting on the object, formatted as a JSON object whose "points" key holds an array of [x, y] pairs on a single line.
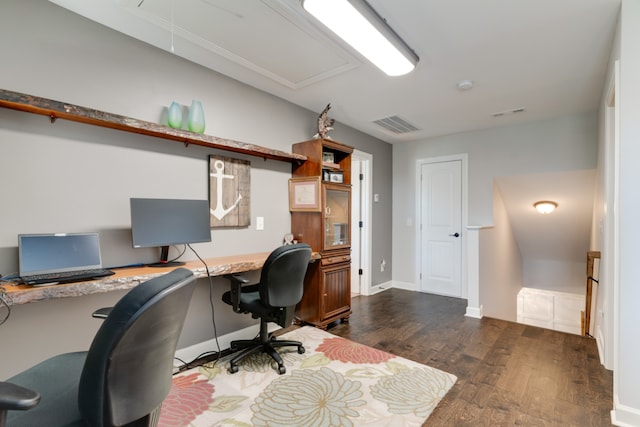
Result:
{"points": [[545, 206], [358, 24], [464, 85]]}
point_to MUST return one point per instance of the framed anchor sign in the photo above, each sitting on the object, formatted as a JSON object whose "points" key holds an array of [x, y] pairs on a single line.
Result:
{"points": [[229, 192]]}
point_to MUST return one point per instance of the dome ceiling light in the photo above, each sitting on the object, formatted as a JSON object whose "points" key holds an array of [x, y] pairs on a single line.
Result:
{"points": [[545, 206]]}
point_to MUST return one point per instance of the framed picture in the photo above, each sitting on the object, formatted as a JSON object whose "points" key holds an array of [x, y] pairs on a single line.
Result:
{"points": [[336, 177], [229, 192], [304, 194], [327, 157]]}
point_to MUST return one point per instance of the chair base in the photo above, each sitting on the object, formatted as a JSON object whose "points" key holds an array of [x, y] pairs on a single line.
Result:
{"points": [[267, 343]]}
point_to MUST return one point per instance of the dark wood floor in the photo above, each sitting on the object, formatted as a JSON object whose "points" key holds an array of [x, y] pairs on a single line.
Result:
{"points": [[508, 374]]}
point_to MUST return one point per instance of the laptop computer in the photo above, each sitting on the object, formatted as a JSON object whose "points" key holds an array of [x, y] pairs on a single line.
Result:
{"points": [[60, 258]]}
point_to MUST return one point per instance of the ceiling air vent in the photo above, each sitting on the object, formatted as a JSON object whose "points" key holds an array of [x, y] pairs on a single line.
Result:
{"points": [[396, 124]]}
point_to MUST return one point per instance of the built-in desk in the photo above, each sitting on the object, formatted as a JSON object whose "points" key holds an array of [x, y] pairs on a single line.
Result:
{"points": [[127, 278]]}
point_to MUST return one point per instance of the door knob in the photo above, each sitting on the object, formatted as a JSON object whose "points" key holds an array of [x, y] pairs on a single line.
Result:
{"points": [[454, 234]]}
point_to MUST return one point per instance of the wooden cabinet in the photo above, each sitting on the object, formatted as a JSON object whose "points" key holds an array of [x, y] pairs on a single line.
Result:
{"points": [[327, 294]]}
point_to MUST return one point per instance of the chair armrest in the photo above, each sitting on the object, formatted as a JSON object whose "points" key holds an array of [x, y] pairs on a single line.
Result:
{"points": [[101, 313], [236, 281], [15, 397]]}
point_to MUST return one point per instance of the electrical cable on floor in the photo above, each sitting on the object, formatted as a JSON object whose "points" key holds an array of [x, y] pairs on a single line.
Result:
{"points": [[193, 363], [213, 320]]}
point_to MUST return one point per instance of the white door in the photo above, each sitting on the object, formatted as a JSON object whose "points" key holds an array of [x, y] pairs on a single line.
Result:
{"points": [[361, 222], [441, 228], [356, 231]]}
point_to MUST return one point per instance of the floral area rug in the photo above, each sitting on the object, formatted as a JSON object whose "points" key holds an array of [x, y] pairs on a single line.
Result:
{"points": [[336, 382]]}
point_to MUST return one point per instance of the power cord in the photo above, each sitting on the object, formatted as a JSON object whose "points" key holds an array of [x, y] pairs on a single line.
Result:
{"points": [[5, 300], [218, 353], [184, 249]]}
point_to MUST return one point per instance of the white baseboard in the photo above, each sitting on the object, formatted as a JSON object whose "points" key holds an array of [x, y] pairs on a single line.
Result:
{"points": [[403, 285], [475, 312], [624, 416], [600, 344], [380, 287], [188, 354]]}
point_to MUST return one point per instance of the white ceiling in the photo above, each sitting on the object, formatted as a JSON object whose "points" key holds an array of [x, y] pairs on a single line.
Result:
{"points": [[547, 57]]}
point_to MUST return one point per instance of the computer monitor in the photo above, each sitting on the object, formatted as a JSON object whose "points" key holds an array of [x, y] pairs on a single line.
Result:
{"points": [[166, 222]]}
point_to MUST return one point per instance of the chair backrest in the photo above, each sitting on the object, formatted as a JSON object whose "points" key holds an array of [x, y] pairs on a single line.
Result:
{"points": [[282, 277], [128, 370]]}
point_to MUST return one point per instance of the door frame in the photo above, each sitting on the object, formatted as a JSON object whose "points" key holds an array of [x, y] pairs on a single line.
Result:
{"points": [[366, 215], [464, 170], [607, 324]]}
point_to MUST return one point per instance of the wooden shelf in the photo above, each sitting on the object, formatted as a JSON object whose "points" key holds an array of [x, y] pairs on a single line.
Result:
{"points": [[61, 110], [334, 166]]}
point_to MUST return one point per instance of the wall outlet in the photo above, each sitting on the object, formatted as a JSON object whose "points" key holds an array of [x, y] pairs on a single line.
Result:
{"points": [[260, 223], [383, 264]]}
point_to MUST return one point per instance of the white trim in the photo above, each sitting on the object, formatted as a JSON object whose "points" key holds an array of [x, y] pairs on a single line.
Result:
{"points": [[600, 344], [464, 159], [380, 287], [475, 312], [624, 416], [407, 286], [605, 339], [366, 162], [618, 412], [474, 308]]}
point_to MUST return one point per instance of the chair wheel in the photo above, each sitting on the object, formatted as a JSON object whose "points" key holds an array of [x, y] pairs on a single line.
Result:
{"points": [[282, 370], [232, 369], [300, 350]]}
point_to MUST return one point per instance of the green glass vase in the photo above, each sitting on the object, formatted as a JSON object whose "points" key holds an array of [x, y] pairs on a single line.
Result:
{"points": [[175, 116], [196, 117]]}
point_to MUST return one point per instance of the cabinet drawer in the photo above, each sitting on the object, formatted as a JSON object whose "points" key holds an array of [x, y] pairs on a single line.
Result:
{"points": [[335, 260]]}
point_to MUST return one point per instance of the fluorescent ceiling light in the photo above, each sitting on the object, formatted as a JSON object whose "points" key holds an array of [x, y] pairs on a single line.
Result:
{"points": [[359, 25]]}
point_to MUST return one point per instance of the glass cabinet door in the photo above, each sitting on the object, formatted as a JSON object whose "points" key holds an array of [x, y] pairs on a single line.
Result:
{"points": [[337, 216]]}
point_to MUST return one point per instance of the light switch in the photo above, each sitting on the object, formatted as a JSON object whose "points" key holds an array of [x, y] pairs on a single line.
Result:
{"points": [[260, 223]]}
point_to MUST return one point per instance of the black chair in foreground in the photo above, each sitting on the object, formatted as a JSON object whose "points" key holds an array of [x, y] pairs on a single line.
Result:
{"points": [[273, 299], [124, 377]]}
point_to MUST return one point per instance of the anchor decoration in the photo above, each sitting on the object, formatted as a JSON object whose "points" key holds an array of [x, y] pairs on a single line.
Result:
{"points": [[226, 186]]}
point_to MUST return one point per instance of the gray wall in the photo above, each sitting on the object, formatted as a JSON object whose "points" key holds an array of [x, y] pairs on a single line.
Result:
{"points": [[560, 144], [501, 265], [73, 177]]}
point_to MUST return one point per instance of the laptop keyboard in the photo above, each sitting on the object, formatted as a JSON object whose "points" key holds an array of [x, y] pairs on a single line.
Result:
{"points": [[67, 276]]}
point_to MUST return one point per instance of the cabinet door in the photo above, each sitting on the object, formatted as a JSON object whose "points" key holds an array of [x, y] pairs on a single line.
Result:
{"points": [[336, 281], [337, 216]]}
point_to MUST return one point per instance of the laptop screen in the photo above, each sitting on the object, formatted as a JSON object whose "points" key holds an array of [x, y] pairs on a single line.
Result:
{"points": [[52, 253]]}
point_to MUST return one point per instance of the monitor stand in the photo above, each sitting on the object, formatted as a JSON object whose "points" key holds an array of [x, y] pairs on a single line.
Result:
{"points": [[164, 262]]}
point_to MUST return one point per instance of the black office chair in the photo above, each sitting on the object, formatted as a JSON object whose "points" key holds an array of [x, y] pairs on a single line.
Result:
{"points": [[124, 377], [273, 299]]}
